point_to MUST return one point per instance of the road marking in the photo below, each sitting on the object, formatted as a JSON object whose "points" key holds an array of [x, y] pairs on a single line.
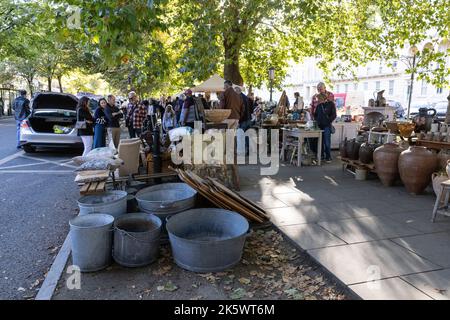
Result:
{"points": [[51, 280], [23, 165], [11, 157], [36, 171], [49, 161]]}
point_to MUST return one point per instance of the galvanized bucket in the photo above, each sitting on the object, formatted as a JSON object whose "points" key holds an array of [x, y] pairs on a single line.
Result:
{"points": [[91, 239], [112, 202], [208, 239], [136, 239]]}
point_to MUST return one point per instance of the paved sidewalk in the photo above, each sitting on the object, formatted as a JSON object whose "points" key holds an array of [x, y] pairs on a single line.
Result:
{"points": [[378, 241]]}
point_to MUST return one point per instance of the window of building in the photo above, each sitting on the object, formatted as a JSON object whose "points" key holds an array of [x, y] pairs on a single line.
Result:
{"points": [[423, 89], [366, 86], [394, 64], [355, 86], [338, 87], [380, 69], [377, 85], [439, 91], [346, 88], [368, 70], [391, 87]]}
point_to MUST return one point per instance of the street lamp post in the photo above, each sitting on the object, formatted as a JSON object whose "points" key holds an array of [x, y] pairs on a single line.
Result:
{"points": [[413, 51], [271, 78]]}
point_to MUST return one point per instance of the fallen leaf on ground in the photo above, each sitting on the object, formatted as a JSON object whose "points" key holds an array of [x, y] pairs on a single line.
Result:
{"points": [[238, 293], [293, 294], [244, 280], [169, 286]]}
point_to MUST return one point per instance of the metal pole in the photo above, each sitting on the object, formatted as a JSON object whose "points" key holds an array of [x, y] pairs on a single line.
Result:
{"points": [[412, 84], [271, 88], [156, 151]]}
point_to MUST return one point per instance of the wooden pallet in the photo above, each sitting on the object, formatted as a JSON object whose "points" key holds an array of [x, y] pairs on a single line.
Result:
{"points": [[93, 188], [357, 164]]}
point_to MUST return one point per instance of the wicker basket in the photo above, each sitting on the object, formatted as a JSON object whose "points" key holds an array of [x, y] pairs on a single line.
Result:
{"points": [[217, 115]]}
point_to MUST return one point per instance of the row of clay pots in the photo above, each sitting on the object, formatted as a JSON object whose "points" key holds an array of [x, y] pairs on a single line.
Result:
{"points": [[354, 150], [414, 166]]}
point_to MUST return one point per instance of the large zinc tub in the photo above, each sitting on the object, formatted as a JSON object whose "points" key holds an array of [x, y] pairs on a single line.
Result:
{"points": [[208, 239]]}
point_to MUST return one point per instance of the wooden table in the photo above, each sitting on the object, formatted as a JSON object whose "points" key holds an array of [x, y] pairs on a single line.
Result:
{"points": [[301, 135], [437, 145]]}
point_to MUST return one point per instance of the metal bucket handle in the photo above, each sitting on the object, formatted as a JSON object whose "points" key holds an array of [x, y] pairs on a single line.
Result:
{"points": [[134, 238]]}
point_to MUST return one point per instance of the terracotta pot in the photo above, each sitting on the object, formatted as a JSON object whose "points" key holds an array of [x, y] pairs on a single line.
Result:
{"points": [[437, 180], [443, 157], [352, 149], [366, 152], [342, 148], [416, 166], [385, 159]]}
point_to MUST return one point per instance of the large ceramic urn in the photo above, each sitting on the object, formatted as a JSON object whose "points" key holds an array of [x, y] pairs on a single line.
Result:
{"points": [[352, 149], [342, 148], [385, 159], [366, 152], [443, 158], [416, 166]]}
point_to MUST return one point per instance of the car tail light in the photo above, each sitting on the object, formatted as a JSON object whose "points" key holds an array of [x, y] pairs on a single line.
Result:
{"points": [[25, 127]]}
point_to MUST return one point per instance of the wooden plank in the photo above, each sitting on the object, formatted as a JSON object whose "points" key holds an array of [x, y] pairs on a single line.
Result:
{"points": [[219, 198], [92, 187], [236, 196], [100, 186], [84, 188]]}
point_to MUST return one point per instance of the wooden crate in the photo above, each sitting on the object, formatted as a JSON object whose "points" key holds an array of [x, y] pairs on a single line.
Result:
{"points": [[93, 188]]}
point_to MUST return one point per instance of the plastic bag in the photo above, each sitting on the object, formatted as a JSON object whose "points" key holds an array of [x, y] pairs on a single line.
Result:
{"points": [[98, 153], [178, 133], [101, 164]]}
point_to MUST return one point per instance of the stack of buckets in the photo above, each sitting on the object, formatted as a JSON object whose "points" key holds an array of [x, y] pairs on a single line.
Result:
{"points": [[103, 231]]}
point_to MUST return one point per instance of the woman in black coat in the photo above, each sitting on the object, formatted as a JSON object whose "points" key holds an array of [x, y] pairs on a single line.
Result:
{"points": [[84, 114]]}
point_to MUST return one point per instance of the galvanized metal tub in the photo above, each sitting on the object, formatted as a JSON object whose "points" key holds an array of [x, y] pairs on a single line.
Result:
{"points": [[112, 202], [91, 239], [136, 239], [166, 198], [207, 239]]}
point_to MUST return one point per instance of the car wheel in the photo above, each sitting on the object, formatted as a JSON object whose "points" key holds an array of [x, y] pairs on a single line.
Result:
{"points": [[29, 149]]}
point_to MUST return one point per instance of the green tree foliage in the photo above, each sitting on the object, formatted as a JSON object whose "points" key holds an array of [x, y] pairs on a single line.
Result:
{"points": [[164, 45]]}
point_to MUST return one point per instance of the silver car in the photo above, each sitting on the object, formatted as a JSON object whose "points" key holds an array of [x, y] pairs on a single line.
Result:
{"points": [[51, 122]]}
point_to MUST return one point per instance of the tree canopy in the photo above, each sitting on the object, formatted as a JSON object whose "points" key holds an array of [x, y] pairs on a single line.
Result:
{"points": [[159, 46]]}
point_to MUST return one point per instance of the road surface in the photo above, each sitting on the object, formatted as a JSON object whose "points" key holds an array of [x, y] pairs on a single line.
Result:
{"points": [[37, 199]]}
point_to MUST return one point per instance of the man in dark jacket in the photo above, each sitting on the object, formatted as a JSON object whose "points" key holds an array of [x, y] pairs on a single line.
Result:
{"points": [[21, 107], [325, 114], [231, 100], [244, 122], [113, 115]]}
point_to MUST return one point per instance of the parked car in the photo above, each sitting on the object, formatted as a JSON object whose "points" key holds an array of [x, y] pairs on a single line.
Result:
{"points": [[51, 122], [399, 110]]}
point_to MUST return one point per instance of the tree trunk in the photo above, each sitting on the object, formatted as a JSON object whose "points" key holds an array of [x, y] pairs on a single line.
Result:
{"points": [[30, 85], [60, 84], [231, 67], [447, 117], [49, 81]]}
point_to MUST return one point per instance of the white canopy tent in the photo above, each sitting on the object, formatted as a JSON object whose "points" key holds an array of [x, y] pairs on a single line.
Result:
{"points": [[213, 84]]}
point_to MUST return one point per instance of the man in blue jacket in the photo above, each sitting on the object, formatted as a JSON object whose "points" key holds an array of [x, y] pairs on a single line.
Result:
{"points": [[21, 107]]}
